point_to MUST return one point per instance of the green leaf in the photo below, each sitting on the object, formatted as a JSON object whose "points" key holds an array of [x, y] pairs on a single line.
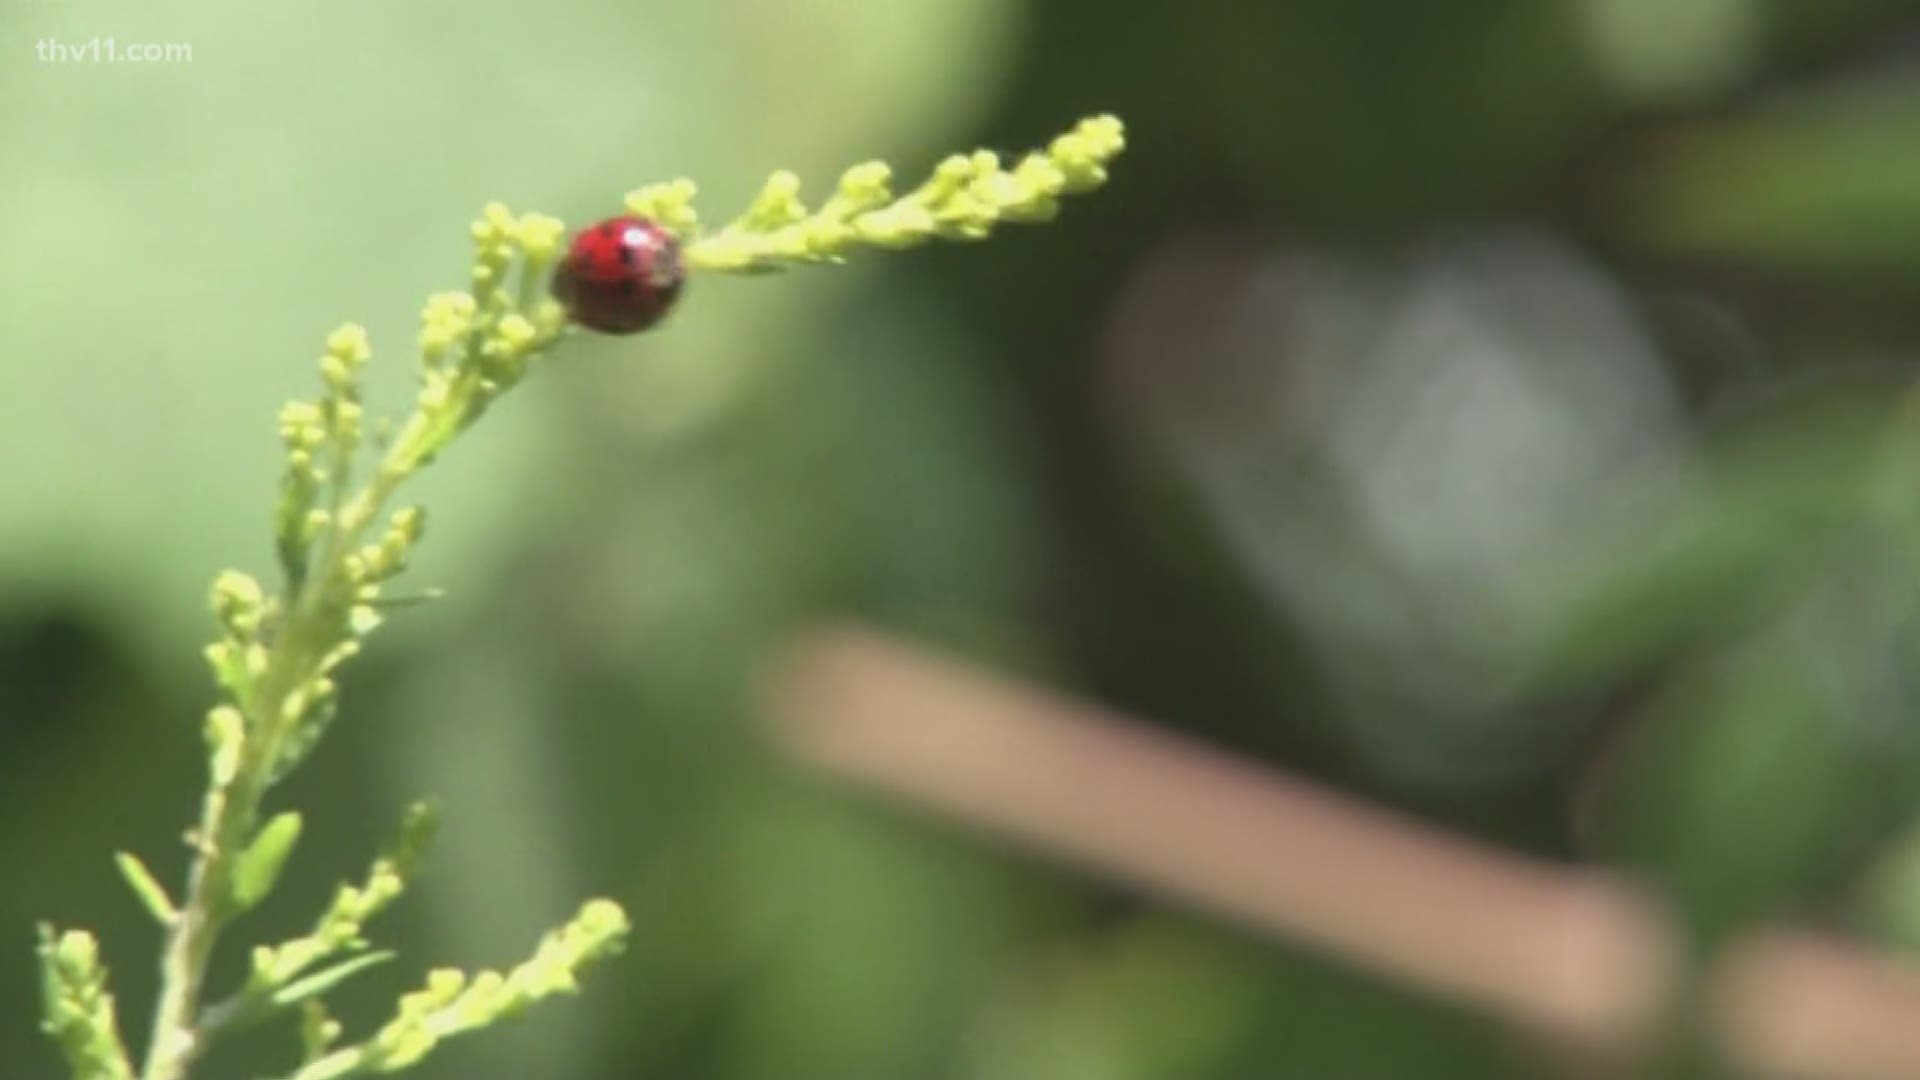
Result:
{"points": [[258, 869], [1773, 497], [418, 827], [1822, 184], [1779, 762], [318, 983], [145, 887], [50, 988]]}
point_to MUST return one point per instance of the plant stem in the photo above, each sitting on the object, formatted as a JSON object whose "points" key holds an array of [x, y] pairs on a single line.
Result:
{"points": [[183, 965], [227, 816], [229, 813]]}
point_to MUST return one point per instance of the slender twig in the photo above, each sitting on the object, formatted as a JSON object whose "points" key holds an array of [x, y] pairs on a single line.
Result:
{"points": [[1571, 953], [230, 813]]}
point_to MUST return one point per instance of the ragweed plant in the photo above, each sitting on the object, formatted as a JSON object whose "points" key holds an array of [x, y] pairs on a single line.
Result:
{"points": [[341, 542]]}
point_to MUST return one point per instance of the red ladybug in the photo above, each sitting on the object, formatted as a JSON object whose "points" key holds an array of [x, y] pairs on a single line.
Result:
{"points": [[620, 275]]}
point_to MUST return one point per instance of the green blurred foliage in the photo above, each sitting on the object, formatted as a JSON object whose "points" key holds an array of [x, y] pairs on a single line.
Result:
{"points": [[1722, 657]]}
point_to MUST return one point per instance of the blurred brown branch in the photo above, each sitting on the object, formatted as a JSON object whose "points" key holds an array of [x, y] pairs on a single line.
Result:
{"points": [[1570, 953]]}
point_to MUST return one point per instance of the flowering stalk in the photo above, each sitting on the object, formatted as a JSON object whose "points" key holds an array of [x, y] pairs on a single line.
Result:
{"points": [[964, 199], [278, 654], [339, 545]]}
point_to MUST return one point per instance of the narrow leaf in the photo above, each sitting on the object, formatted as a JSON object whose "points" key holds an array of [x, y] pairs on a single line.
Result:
{"points": [[417, 831], [145, 887], [258, 869], [318, 983]]}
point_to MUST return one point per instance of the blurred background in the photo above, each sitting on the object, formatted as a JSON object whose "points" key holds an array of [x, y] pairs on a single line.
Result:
{"points": [[1499, 409]]}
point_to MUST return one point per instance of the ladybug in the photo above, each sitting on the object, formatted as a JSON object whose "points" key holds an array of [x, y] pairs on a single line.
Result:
{"points": [[620, 276]]}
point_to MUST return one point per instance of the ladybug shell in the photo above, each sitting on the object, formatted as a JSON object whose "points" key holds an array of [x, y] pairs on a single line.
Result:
{"points": [[620, 275]]}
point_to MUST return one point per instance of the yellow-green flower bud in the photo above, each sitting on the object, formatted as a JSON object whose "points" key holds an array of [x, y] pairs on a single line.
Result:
{"points": [[349, 343], [669, 203], [238, 603], [540, 237]]}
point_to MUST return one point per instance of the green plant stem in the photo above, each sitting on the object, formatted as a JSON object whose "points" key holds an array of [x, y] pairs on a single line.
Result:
{"points": [[230, 813]]}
